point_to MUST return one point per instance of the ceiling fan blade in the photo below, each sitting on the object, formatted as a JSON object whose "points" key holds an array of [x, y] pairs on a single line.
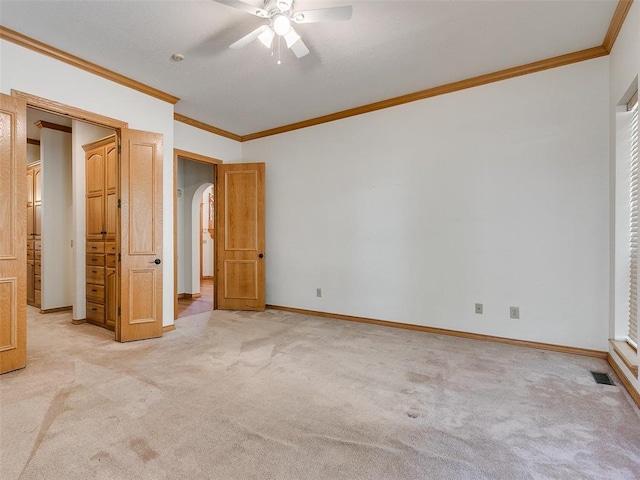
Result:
{"points": [[247, 39], [291, 37], [245, 7], [299, 49], [324, 15]]}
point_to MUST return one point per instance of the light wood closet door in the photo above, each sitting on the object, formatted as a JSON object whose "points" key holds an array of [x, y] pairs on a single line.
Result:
{"points": [[140, 236], [13, 247]]}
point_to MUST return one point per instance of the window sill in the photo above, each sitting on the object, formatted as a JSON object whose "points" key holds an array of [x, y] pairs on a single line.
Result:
{"points": [[628, 355]]}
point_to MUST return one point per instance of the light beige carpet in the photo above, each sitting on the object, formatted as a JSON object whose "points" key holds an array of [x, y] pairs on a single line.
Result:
{"points": [[274, 395]]}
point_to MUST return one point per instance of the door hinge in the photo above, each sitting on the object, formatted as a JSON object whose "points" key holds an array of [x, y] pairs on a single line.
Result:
{"points": [[119, 149], [119, 257], [119, 311], [119, 203]]}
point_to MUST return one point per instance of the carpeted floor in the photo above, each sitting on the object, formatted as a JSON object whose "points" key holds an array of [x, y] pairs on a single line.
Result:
{"points": [[274, 395]]}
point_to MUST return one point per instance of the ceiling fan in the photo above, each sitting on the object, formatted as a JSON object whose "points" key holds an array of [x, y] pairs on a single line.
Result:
{"points": [[281, 15]]}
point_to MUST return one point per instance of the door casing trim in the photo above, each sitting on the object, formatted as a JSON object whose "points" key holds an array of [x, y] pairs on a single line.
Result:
{"points": [[194, 157]]}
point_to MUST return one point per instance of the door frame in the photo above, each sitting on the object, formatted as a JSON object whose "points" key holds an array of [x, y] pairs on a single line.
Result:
{"points": [[39, 103], [214, 162]]}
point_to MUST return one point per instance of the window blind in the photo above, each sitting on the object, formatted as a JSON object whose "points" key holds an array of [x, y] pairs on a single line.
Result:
{"points": [[633, 293]]}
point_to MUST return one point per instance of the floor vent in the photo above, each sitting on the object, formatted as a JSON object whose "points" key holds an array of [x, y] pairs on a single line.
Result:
{"points": [[602, 378]]}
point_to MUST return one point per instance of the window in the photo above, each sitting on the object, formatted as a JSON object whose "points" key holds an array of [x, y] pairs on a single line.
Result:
{"points": [[632, 335]]}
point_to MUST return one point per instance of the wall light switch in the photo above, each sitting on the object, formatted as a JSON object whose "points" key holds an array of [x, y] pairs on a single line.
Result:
{"points": [[514, 312], [318, 292]]}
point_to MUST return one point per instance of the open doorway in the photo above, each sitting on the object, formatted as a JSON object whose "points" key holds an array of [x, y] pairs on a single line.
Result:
{"points": [[194, 234], [56, 210], [139, 308]]}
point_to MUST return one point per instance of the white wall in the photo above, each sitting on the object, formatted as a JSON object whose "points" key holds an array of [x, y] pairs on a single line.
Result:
{"points": [[57, 218], [195, 140], [624, 62], [33, 153], [40, 75], [496, 194], [82, 133]]}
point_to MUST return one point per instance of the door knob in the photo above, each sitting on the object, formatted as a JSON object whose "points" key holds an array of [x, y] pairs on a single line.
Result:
{"points": [[157, 261], [260, 256]]}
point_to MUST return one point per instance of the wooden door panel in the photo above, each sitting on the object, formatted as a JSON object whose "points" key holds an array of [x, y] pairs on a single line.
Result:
{"points": [[8, 314], [13, 247], [37, 184], [111, 206], [95, 172], [31, 282], [111, 222], [112, 297], [94, 224], [29, 188], [241, 211], [241, 279], [112, 167], [142, 304], [240, 225], [30, 204], [37, 220], [30, 221], [141, 236], [37, 201], [142, 222]]}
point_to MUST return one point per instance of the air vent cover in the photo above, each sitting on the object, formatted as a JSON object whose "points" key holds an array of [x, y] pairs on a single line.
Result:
{"points": [[602, 378]]}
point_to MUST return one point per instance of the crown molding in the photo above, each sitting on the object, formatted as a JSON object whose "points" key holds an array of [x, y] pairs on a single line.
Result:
{"points": [[43, 48], [500, 75], [617, 21], [204, 126], [53, 126]]}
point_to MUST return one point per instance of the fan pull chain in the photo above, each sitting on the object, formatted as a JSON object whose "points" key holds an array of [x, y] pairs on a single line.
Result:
{"points": [[279, 62]]}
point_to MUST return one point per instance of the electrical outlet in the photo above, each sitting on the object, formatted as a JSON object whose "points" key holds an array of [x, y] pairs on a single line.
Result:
{"points": [[318, 292], [514, 312], [478, 308]]}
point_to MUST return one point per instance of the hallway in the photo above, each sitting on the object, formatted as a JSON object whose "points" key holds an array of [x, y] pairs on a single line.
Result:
{"points": [[202, 304]]}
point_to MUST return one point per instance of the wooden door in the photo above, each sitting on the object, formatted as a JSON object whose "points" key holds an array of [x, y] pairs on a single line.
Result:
{"points": [[140, 236], [13, 248], [240, 237]]}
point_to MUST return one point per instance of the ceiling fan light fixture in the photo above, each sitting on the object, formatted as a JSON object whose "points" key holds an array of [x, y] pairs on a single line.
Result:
{"points": [[281, 24], [266, 37]]}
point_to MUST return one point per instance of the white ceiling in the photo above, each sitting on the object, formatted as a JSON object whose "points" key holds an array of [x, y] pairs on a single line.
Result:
{"points": [[388, 48]]}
